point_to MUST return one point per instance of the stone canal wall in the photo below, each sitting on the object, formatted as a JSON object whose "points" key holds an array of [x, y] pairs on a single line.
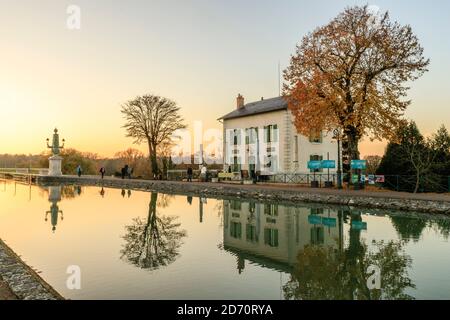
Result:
{"points": [[23, 281], [427, 203]]}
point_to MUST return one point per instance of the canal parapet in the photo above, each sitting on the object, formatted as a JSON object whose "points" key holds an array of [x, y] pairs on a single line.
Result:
{"points": [[399, 201], [23, 281]]}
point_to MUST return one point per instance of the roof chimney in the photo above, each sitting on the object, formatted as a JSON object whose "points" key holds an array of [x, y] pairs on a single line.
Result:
{"points": [[239, 101]]}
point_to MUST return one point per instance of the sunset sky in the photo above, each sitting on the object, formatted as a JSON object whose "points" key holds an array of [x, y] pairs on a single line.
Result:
{"points": [[200, 54]]}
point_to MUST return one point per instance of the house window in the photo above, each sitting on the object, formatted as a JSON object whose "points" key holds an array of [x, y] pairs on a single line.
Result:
{"points": [[316, 210], [271, 237], [250, 135], [315, 136], [317, 235], [270, 163], [236, 137], [236, 230], [251, 207], [271, 209], [250, 233], [236, 164], [316, 157], [236, 205], [271, 133]]}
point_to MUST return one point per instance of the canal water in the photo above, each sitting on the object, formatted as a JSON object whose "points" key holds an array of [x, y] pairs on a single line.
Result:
{"points": [[140, 245]]}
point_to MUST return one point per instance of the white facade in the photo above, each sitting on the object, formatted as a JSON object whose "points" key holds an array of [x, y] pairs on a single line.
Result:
{"points": [[290, 153], [275, 232]]}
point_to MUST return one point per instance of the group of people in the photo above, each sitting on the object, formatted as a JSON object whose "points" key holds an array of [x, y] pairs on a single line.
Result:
{"points": [[126, 171], [102, 192], [203, 174]]}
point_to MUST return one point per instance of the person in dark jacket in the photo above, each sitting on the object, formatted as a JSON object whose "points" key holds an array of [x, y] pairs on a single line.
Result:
{"points": [[189, 174], [79, 170], [102, 171]]}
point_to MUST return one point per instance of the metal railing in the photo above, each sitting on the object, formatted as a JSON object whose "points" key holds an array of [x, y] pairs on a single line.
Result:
{"points": [[180, 175], [300, 178], [404, 183], [401, 183], [25, 170], [427, 183]]}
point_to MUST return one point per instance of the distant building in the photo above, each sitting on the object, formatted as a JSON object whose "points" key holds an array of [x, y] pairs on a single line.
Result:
{"points": [[261, 137]]}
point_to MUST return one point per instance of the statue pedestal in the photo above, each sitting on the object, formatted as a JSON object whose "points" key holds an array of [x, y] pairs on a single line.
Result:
{"points": [[54, 166]]}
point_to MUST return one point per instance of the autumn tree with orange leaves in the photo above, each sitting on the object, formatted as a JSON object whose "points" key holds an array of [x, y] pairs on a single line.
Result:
{"points": [[352, 74]]}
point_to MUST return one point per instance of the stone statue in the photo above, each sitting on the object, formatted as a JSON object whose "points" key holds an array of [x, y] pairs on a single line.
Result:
{"points": [[56, 148], [55, 160], [54, 196]]}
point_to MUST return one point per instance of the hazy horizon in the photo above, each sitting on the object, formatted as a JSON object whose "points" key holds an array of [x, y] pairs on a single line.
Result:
{"points": [[200, 54]]}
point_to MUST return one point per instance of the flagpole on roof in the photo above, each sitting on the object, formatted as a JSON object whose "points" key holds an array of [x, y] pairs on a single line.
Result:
{"points": [[279, 79]]}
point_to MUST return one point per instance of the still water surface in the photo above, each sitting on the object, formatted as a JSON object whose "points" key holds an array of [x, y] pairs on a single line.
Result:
{"points": [[140, 245]]}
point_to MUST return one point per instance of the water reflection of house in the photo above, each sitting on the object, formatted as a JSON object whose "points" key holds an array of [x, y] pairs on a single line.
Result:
{"points": [[271, 235]]}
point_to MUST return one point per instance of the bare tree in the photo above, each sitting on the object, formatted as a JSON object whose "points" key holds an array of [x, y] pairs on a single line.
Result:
{"points": [[153, 242], [152, 119], [130, 156], [419, 152], [373, 162]]}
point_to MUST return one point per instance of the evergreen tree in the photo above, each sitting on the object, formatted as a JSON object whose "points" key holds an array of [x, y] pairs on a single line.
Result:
{"points": [[412, 163], [441, 167]]}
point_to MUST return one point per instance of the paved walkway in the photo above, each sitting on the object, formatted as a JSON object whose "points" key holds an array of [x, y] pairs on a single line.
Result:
{"points": [[370, 192]]}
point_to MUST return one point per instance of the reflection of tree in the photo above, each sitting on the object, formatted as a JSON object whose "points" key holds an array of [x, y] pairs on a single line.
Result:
{"points": [[67, 192], [326, 273], [443, 226], [409, 228], [164, 200], [219, 208], [154, 242]]}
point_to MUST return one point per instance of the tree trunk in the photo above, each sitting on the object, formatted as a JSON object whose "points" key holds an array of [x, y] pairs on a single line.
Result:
{"points": [[154, 161], [351, 150], [416, 188], [353, 142], [152, 158]]}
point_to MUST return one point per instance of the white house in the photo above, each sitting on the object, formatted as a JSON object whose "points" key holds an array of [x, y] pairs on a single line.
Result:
{"points": [[273, 234], [261, 137]]}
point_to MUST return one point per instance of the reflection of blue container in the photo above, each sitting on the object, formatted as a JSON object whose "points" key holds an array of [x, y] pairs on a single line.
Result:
{"points": [[359, 225], [329, 222], [314, 219]]}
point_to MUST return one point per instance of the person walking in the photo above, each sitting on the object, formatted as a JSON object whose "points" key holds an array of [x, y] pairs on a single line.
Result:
{"points": [[189, 174], [102, 172], [79, 171], [123, 172], [129, 172]]}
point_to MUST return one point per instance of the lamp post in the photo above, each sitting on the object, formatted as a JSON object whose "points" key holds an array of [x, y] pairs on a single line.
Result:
{"points": [[337, 136]]}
